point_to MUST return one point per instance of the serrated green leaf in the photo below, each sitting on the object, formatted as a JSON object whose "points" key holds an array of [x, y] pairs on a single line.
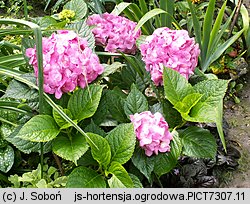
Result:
{"points": [[101, 151], [115, 105], [18, 90], [23, 145], [176, 86], [136, 181], [213, 92], [40, 128], [143, 163], [78, 6], [187, 103], [120, 177], [136, 102], [84, 31], [122, 142], [70, 148], [63, 124], [84, 102], [83, 177], [198, 142], [93, 128], [6, 158], [165, 162], [111, 68]]}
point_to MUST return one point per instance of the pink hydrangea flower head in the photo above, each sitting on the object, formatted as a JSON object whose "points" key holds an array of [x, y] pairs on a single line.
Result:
{"points": [[152, 132], [170, 48], [114, 32], [68, 62]]}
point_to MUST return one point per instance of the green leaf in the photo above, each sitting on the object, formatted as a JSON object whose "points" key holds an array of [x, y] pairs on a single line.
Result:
{"points": [[120, 8], [84, 31], [219, 124], [207, 27], [187, 103], [41, 128], [122, 142], [84, 102], [23, 145], [101, 151], [136, 102], [213, 92], [78, 6], [63, 124], [83, 177], [165, 162], [93, 128], [20, 90], [176, 86], [120, 177], [6, 158], [112, 68], [142, 162], [70, 148], [115, 105], [198, 142], [136, 181]]}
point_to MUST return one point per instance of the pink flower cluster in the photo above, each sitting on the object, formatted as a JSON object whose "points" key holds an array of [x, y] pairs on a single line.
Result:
{"points": [[68, 62], [114, 32], [170, 48], [152, 132]]}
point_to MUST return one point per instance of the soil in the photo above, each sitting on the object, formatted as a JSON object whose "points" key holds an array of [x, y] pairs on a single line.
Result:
{"points": [[238, 118]]}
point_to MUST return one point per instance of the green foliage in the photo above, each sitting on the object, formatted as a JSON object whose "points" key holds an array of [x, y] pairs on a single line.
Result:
{"points": [[122, 143], [198, 142], [70, 147], [101, 151], [198, 103], [41, 128], [82, 177], [84, 102], [6, 158], [33, 179], [136, 102], [79, 7]]}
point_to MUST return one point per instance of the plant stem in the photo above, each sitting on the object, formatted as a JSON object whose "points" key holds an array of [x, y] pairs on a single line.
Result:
{"points": [[236, 14], [41, 158], [58, 162]]}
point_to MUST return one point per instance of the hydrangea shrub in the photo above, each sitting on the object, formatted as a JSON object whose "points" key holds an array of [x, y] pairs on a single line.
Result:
{"points": [[152, 132], [68, 62], [114, 32], [170, 48]]}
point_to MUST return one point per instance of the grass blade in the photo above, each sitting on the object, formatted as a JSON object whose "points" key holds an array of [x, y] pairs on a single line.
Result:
{"points": [[207, 28], [216, 28]]}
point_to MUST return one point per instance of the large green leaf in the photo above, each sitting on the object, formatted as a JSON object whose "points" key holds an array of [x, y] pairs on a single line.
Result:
{"points": [[187, 103], [120, 177], [122, 142], [62, 123], [83, 177], [165, 162], [93, 128], [79, 7], [41, 128], [176, 86], [70, 148], [115, 105], [20, 90], [6, 158], [212, 92], [84, 102], [136, 102], [136, 181], [84, 31], [25, 146], [198, 142], [101, 151], [143, 163]]}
